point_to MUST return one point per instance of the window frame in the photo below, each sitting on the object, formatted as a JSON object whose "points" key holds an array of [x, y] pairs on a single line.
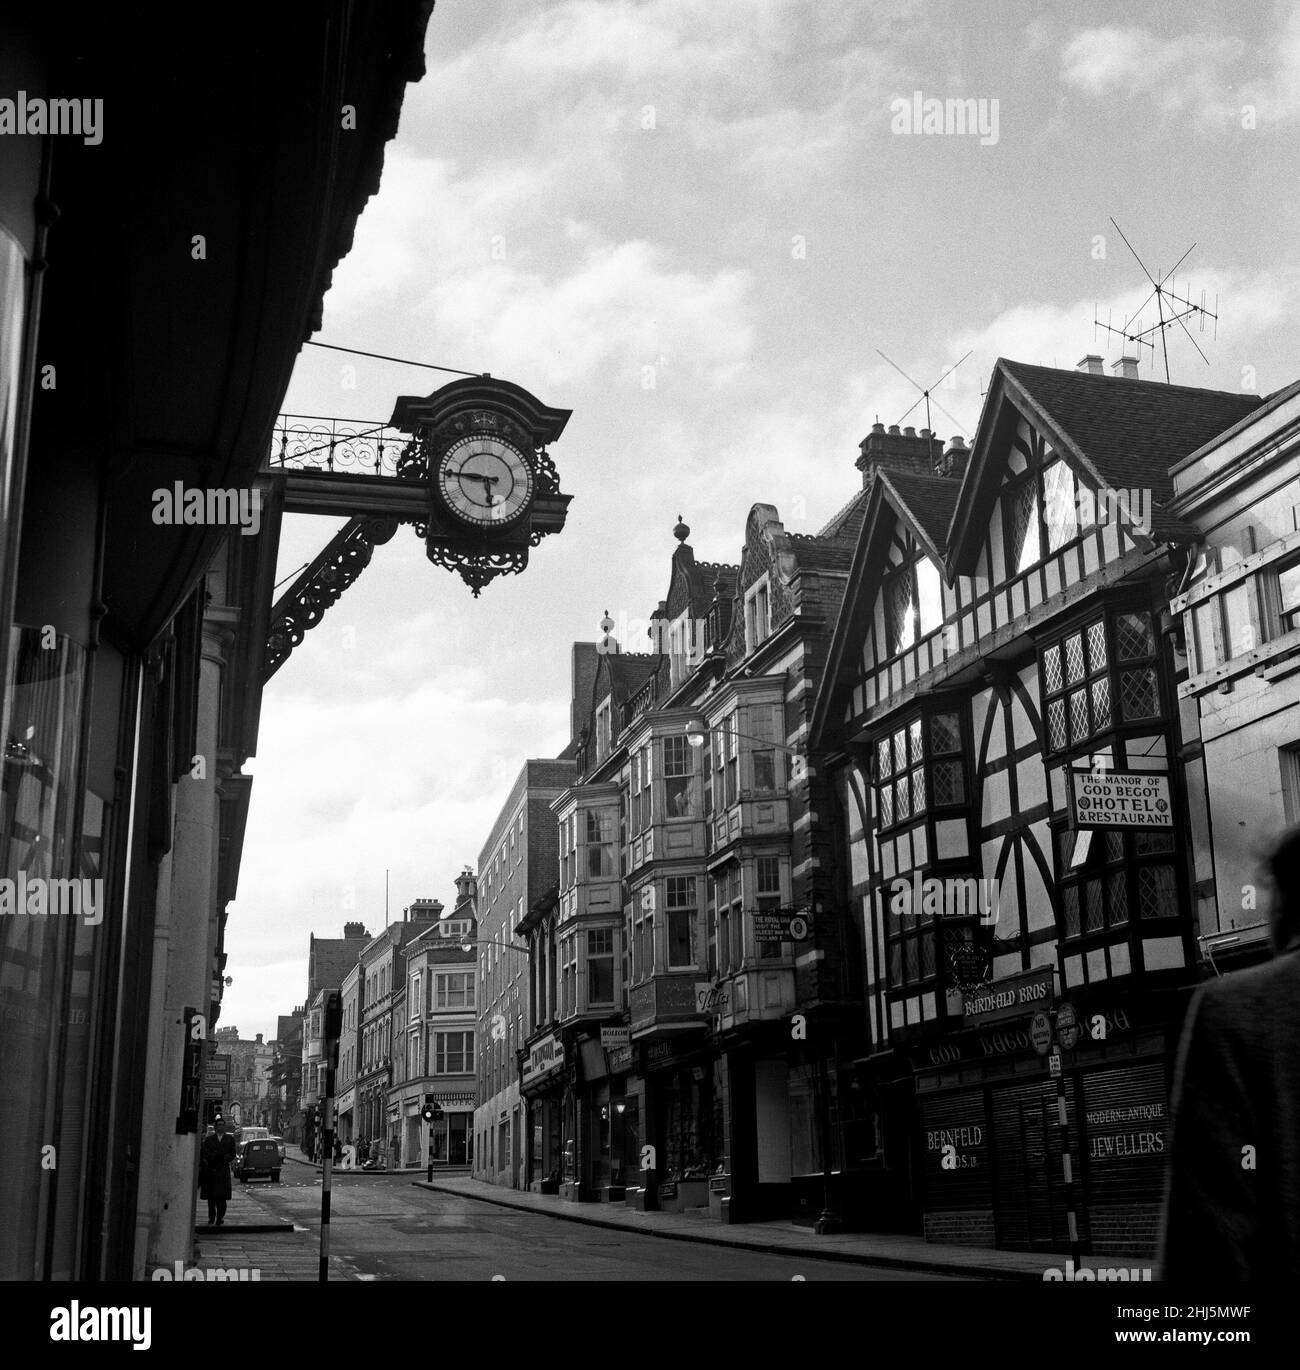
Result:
{"points": [[443, 1054], [600, 955], [920, 759], [1057, 691], [758, 613]]}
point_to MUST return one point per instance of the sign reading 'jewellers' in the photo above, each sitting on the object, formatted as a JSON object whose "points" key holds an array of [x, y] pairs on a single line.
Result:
{"points": [[1121, 799]]}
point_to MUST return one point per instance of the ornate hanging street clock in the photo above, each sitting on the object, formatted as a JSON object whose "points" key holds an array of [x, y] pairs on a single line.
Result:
{"points": [[479, 445]]}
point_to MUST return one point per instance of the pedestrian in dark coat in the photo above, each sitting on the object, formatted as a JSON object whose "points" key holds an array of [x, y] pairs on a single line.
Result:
{"points": [[1232, 1203], [216, 1156]]}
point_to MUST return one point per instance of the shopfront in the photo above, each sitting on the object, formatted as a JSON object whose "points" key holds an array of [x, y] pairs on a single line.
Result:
{"points": [[991, 1147], [451, 1137], [611, 1105], [684, 1085], [546, 1091]]}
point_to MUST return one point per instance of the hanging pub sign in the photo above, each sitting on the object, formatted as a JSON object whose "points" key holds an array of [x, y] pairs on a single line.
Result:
{"points": [[615, 1037], [781, 925], [1120, 799]]}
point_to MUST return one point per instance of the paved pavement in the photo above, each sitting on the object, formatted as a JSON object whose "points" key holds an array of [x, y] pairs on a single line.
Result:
{"points": [[389, 1226]]}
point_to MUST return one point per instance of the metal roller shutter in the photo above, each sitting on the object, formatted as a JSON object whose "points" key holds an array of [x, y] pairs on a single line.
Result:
{"points": [[1029, 1191], [1126, 1118], [959, 1122]]}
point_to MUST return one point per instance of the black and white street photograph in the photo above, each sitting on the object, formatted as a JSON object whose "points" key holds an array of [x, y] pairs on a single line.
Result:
{"points": [[650, 642]]}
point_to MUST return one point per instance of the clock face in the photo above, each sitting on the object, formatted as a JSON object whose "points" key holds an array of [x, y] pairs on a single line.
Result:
{"points": [[485, 481]]}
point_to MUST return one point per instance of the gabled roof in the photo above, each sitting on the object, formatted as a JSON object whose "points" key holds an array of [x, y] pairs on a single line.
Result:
{"points": [[925, 504], [1119, 433]]}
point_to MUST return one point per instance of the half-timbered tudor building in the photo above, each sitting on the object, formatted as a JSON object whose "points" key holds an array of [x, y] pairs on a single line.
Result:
{"points": [[1005, 642], [695, 814]]}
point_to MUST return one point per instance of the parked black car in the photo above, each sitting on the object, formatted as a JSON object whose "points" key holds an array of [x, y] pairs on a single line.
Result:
{"points": [[259, 1157]]}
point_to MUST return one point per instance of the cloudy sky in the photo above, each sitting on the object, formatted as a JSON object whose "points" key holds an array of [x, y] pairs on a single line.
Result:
{"points": [[694, 224]]}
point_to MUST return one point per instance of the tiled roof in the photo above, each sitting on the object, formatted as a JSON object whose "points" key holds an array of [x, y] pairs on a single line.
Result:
{"points": [[847, 522], [628, 671], [929, 500], [1132, 431], [706, 574]]}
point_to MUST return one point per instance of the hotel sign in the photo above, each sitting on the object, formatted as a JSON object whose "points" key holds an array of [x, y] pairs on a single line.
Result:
{"points": [[544, 1057], [1120, 799]]}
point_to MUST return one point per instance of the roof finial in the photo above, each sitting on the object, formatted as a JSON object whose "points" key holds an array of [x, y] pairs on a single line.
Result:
{"points": [[681, 532]]}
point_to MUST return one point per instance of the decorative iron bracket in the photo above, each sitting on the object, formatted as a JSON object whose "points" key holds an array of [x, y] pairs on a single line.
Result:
{"points": [[303, 605]]}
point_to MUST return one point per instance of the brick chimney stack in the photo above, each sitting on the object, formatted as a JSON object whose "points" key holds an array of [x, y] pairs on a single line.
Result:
{"points": [[1092, 364], [895, 450], [953, 462], [1126, 367]]}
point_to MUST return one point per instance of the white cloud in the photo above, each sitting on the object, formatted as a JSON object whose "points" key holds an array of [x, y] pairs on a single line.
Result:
{"points": [[1180, 76], [1276, 95]]}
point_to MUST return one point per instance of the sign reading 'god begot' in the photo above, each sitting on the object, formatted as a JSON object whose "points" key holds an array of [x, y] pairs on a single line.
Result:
{"points": [[1121, 799]]}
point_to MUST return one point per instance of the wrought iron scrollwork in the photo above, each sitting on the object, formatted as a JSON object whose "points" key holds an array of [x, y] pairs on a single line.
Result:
{"points": [[304, 604], [548, 478], [477, 568]]}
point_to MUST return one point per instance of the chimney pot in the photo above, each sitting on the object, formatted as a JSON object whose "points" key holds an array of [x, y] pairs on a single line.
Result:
{"points": [[1092, 364], [877, 427], [894, 430], [1126, 368]]}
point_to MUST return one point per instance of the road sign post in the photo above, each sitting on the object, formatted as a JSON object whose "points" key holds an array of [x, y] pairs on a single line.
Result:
{"points": [[333, 1030]]}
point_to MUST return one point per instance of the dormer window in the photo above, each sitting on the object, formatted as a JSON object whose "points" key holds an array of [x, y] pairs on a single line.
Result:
{"points": [[758, 614]]}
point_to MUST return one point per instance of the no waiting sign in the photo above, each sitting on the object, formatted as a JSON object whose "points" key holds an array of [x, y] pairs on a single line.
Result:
{"points": [[1121, 799]]}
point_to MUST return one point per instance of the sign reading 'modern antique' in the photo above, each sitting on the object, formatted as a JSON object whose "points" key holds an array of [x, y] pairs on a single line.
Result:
{"points": [[1121, 799]]}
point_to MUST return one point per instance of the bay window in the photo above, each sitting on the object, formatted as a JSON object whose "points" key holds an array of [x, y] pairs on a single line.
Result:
{"points": [[1107, 878], [768, 882], [600, 966], [679, 778], [680, 911], [920, 766], [1094, 679], [600, 843], [730, 918], [568, 975], [643, 939], [726, 751]]}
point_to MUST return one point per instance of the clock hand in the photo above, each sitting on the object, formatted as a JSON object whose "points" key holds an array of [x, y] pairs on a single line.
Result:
{"points": [[471, 475]]}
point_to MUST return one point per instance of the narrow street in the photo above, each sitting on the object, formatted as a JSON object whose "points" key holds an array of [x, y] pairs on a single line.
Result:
{"points": [[386, 1228]]}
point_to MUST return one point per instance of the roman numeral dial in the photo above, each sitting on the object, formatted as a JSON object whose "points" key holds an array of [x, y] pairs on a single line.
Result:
{"points": [[485, 481]]}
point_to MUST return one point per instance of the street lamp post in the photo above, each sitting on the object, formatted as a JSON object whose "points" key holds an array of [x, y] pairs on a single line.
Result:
{"points": [[697, 734]]}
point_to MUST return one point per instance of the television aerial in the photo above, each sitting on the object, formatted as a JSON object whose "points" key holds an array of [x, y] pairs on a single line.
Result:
{"points": [[1169, 301]]}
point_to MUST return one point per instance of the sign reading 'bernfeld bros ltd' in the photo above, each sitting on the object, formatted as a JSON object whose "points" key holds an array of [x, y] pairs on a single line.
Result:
{"points": [[1013, 997], [1121, 799]]}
